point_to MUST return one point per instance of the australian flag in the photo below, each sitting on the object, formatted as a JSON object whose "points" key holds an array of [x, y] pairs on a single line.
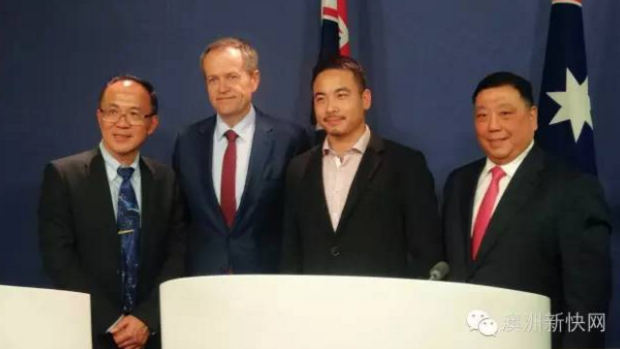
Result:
{"points": [[334, 29], [565, 126], [334, 41]]}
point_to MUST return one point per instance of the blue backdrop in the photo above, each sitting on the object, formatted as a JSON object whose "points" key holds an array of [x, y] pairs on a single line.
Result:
{"points": [[423, 60]]}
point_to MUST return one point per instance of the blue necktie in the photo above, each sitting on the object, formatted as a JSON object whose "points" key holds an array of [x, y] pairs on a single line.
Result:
{"points": [[128, 223]]}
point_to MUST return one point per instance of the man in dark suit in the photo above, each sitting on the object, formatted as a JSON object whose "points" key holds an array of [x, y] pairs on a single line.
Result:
{"points": [[111, 220], [357, 204], [231, 167], [520, 220]]}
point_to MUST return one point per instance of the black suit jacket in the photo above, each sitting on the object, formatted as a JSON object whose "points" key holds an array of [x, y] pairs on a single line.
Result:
{"points": [[253, 243], [548, 235], [389, 225], [81, 247]]}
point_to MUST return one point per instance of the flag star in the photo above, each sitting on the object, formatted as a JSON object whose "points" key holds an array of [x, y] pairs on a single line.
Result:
{"points": [[574, 105]]}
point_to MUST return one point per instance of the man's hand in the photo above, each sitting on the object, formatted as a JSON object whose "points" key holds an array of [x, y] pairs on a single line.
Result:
{"points": [[130, 333]]}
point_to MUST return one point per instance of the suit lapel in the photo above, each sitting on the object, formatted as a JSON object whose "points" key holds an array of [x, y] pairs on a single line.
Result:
{"points": [[206, 132], [314, 190], [98, 188], [470, 183], [262, 146], [369, 164], [148, 178], [518, 193]]}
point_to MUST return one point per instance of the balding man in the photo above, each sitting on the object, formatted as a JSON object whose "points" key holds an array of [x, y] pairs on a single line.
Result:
{"points": [[111, 221]]}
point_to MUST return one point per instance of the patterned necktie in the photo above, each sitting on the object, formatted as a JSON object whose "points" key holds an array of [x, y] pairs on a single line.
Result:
{"points": [[128, 223], [486, 210], [228, 202]]}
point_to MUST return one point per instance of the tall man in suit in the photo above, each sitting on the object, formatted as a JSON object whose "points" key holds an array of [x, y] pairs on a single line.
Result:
{"points": [[520, 220], [357, 204], [111, 220], [231, 167]]}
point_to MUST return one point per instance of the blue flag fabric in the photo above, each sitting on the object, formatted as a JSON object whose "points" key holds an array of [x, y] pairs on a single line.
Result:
{"points": [[565, 120], [334, 29], [334, 42], [330, 40]]}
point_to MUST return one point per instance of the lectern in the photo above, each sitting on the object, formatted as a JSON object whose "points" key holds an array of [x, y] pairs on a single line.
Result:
{"points": [[44, 319], [326, 312]]}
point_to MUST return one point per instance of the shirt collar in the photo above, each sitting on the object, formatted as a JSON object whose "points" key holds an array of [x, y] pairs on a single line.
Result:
{"points": [[359, 146], [112, 165], [510, 168], [243, 129]]}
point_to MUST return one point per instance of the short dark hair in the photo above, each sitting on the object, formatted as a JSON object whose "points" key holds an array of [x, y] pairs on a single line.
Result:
{"points": [[342, 63], [504, 78], [147, 86]]}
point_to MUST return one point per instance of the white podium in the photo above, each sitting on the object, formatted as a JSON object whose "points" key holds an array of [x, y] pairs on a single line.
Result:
{"points": [[323, 312], [44, 319]]}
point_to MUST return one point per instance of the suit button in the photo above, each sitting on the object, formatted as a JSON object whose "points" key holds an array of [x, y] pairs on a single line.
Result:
{"points": [[335, 251]]}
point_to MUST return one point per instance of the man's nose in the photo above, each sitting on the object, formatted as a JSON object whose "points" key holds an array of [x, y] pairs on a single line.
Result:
{"points": [[331, 106], [494, 123], [222, 87]]}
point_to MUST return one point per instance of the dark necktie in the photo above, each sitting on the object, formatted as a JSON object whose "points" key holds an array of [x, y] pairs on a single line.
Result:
{"points": [[128, 223], [228, 202]]}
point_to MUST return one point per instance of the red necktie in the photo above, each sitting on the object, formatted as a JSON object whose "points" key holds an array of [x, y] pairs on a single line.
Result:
{"points": [[486, 210], [228, 201]]}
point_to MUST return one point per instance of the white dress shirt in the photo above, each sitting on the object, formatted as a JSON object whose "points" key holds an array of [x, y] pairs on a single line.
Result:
{"points": [[115, 181], [338, 175], [245, 130], [485, 180]]}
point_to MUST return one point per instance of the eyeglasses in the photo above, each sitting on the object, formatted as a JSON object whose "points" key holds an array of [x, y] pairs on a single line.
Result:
{"points": [[133, 117]]}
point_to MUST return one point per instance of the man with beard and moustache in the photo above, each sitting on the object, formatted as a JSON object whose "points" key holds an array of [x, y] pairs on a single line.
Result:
{"points": [[357, 204]]}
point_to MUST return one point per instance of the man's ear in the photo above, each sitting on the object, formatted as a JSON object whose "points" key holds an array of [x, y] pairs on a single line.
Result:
{"points": [[153, 124], [534, 117], [367, 99], [255, 80]]}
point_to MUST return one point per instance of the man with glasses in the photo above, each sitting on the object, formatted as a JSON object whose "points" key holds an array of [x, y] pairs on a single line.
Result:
{"points": [[111, 221]]}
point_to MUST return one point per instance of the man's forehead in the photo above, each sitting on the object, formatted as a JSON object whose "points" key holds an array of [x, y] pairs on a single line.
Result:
{"points": [[331, 89], [499, 97], [226, 58], [495, 103], [124, 96], [225, 70]]}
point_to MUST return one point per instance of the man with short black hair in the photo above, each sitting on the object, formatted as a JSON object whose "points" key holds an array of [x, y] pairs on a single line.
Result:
{"points": [[518, 219], [357, 204]]}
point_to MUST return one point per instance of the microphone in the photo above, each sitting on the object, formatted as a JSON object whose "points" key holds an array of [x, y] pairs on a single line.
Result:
{"points": [[439, 271]]}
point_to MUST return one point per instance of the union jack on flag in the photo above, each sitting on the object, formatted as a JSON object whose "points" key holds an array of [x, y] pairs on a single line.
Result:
{"points": [[334, 29], [334, 41]]}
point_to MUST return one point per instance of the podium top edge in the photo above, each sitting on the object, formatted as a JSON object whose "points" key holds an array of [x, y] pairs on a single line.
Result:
{"points": [[257, 279]]}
